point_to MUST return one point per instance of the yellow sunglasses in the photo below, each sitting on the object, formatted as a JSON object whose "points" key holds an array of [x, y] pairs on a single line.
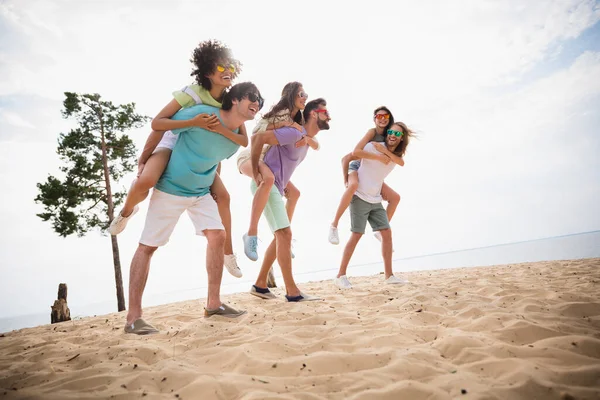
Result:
{"points": [[230, 67]]}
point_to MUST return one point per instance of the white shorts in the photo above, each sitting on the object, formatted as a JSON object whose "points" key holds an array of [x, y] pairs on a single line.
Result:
{"points": [[164, 212], [168, 141]]}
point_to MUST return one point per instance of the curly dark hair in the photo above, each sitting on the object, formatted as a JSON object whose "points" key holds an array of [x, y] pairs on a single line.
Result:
{"points": [[390, 121], [287, 100], [205, 58]]}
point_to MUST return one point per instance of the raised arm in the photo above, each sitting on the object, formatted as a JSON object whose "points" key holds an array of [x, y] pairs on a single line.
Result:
{"points": [[360, 153], [163, 121], [395, 159], [240, 138]]}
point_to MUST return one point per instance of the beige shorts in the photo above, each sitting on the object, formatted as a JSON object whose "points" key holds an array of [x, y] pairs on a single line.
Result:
{"points": [[164, 212], [245, 156]]}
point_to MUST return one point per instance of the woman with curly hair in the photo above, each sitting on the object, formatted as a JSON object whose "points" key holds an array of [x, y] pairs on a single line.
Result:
{"points": [[214, 70], [287, 112], [383, 119]]}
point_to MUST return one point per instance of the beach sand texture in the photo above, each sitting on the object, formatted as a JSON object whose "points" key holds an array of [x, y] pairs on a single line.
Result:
{"points": [[519, 331]]}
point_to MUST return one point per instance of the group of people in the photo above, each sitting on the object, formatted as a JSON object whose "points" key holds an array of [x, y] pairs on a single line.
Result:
{"points": [[204, 125]]}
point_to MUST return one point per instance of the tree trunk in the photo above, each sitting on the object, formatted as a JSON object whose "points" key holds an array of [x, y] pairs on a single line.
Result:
{"points": [[60, 311], [118, 276], [111, 213]]}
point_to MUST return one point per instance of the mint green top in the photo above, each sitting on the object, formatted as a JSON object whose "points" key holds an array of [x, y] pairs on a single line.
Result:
{"points": [[193, 164], [194, 94]]}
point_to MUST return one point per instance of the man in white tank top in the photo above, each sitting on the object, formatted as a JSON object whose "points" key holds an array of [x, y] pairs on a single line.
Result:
{"points": [[366, 206]]}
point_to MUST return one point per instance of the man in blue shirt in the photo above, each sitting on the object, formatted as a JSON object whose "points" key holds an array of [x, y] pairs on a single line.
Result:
{"points": [[185, 186]]}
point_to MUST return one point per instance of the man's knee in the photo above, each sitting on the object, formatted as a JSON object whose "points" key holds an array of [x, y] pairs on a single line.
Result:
{"points": [[284, 235], [215, 237], [385, 233], [147, 250]]}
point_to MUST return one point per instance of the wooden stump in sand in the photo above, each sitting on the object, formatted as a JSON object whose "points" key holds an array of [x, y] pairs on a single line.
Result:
{"points": [[60, 310], [271, 279]]}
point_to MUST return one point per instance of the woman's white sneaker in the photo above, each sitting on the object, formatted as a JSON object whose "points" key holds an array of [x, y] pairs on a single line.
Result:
{"points": [[230, 262], [334, 238], [119, 223]]}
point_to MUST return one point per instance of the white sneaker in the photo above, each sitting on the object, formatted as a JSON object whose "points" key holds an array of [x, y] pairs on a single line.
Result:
{"points": [[342, 282], [334, 238], [377, 235], [230, 262], [393, 280], [119, 223]]}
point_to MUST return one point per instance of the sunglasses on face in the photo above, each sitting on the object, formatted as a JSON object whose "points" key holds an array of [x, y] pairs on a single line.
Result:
{"points": [[382, 116], [320, 110], [302, 95], [393, 132], [222, 68], [253, 97]]}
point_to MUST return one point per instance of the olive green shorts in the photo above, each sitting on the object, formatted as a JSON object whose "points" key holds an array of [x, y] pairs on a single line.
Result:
{"points": [[362, 211]]}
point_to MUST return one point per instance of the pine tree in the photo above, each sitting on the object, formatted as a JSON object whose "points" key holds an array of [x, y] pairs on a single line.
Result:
{"points": [[95, 153]]}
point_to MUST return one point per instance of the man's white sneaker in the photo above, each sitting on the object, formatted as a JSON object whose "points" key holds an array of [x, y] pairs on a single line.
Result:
{"points": [[342, 282], [119, 223], [334, 238], [230, 262], [377, 235], [393, 280]]}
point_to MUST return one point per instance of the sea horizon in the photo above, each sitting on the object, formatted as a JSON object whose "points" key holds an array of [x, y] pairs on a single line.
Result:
{"points": [[573, 246]]}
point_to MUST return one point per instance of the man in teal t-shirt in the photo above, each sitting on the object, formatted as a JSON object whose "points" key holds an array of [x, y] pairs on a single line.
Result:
{"points": [[196, 155], [185, 186]]}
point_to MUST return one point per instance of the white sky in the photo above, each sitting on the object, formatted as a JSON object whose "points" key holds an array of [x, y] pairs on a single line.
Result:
{"points": [[505, 96]]}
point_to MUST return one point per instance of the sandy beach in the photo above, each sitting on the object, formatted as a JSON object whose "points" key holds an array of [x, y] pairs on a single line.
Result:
{"points": [[519, 331]]}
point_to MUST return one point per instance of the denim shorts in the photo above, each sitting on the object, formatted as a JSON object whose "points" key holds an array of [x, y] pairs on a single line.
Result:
{"points": [[353, 166]]}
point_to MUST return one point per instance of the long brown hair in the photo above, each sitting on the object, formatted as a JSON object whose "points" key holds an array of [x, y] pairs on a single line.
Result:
{"points": [[287, 101], [404, 140]]}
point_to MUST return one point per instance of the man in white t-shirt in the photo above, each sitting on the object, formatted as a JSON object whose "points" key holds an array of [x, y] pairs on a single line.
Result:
{"points": [[366, 203]]}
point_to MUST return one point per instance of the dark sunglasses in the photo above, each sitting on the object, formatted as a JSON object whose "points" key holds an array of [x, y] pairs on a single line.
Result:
{"points": [[393, 132], [253, 97]]}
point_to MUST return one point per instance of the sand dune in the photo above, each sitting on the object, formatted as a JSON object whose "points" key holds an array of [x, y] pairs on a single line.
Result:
{"points": [[521, 331]]}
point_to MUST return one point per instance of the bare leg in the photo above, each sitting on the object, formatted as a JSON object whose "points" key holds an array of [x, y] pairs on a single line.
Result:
{"points": [[348, 251], [393, 199], [386, 251], [261, 197], [346, 198], [214, 266], [221, 196], [268, 261], [138, 276], [151, 173], [292, 194], [283, 238]]}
